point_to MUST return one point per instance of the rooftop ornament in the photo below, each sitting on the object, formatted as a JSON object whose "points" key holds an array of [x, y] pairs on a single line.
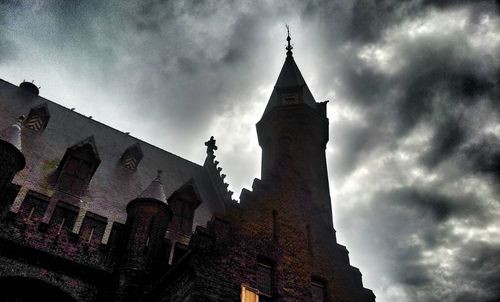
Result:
{"points": [[288, 38], [211, 147]]}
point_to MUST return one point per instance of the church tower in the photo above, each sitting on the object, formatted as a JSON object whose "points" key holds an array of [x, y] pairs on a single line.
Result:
{"points": [[293, 133]]}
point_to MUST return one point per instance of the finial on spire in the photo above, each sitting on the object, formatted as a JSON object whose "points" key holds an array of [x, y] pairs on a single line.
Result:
{"points": [[211, 147], [289, 47]]}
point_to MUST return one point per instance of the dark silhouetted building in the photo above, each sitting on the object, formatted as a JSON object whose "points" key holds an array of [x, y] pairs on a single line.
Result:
{"points": [[89, 213]]}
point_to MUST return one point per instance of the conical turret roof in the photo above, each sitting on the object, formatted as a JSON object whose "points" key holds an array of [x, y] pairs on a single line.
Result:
{"points": [[155, 190]]}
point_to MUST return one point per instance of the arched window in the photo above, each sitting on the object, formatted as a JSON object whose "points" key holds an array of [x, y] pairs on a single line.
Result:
{"points": [[77, 167]]}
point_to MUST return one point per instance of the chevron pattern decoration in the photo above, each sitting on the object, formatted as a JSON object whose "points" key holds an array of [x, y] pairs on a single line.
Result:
{"points": [[130, 162], [34, 122]]}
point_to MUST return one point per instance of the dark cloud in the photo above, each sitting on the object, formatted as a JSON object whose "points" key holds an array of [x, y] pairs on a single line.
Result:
{"points": [[440, 71], [7, 47], [448, 137], [483, 156], [437, 206], [353, 139], [479, 267], [411, 227]]}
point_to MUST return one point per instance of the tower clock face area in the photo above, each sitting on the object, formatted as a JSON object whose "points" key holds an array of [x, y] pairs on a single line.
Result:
{"points": [[289, 98]]}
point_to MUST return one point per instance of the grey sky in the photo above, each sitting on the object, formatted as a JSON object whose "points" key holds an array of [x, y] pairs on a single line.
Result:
{"points": [[414, 148]]}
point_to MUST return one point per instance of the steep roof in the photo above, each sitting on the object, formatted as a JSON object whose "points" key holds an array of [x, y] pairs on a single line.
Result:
{"points": [[112, 186], [155, 190], [290, 79]]}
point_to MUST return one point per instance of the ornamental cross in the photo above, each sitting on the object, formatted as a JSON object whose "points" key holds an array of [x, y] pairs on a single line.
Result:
{"points": [[211, 147]]}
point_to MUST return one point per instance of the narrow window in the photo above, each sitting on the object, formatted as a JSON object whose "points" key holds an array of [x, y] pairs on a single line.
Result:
{"points": [[275, 235], [318, 290], [150, 230], [61, 225], [28, 220], [309, 245], [186, 218], [89, 239], [265, 280]]}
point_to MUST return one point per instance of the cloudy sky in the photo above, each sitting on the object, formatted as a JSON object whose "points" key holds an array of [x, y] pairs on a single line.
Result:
{"points": [[414, 152]]}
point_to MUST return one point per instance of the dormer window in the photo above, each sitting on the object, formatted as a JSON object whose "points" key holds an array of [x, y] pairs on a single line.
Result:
{"points": [[38, 118], [183, 203], [131, 157], [77, 167]]}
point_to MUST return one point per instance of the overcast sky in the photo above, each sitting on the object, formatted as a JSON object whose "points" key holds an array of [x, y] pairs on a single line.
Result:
{"points": [[414, 151]]}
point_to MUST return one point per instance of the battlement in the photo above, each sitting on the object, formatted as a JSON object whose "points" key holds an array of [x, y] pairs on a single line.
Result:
{"points": [[71, 233]]}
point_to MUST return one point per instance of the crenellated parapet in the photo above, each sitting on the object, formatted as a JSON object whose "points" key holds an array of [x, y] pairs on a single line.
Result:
{"points": [[75, 239], [72, 234], [215, 173]]}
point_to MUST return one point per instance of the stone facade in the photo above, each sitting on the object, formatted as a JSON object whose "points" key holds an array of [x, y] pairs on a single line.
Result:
{"points": [[72, 230]]}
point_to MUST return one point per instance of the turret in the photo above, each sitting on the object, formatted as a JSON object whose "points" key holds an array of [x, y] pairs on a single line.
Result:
{"points": [[293, 133], [147, 222], [11, 158]]}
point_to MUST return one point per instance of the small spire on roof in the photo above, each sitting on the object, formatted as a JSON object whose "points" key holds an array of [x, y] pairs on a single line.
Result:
{"points": [[155, 190], [289, 48]]}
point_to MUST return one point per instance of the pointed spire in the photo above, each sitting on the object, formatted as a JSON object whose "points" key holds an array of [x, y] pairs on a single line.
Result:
{"points": [[12, 134], [155, 190], [289, 48], [290, 88]]}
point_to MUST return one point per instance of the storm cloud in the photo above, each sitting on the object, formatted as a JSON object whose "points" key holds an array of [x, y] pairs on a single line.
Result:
{"points": [[414, 152]]}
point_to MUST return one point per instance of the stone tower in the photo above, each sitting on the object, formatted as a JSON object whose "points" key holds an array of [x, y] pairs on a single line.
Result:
{"points": [[278, 243], [147, 222], [293, 133]]}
